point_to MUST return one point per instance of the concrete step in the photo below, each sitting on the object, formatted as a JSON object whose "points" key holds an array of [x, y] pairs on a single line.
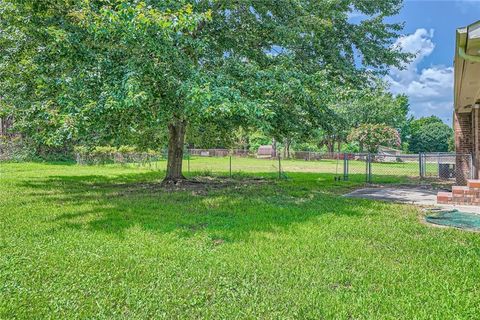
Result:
{"points": [[471, 183], [444, 197], [460, 190], [460, 195]]}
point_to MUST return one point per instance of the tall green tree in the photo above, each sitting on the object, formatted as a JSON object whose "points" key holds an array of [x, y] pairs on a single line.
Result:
{"points": [[109, 70], [429, 134]]}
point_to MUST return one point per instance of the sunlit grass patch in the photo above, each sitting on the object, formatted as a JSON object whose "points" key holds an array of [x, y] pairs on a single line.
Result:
{"points": [[110, 242]]}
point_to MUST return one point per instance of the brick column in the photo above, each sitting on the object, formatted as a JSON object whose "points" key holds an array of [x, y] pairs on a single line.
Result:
{"points": [[463, 144]]}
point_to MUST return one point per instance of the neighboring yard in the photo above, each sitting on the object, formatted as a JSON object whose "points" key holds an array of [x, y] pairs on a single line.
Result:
{"points": [[109, 242], [322, 166]]}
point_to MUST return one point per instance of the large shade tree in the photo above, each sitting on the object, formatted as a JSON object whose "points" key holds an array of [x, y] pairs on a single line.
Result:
{"points": [[105, 71]]}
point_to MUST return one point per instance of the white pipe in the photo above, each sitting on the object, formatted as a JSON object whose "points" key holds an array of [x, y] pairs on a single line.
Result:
{"points": [[469, 57]]}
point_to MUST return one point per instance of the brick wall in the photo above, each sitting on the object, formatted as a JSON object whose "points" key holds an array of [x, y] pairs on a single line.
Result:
{"points": [[463, 144]]}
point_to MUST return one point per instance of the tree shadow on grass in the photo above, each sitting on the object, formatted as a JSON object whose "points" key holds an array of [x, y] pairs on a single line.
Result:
{"points": [[230, 211]]}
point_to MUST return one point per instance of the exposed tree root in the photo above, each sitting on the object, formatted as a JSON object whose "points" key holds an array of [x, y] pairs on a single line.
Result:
{"points": [[170, 182]]}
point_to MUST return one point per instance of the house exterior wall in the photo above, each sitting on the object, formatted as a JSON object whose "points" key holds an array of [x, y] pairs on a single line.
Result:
{"points": [[464, 143], [467, 99]]}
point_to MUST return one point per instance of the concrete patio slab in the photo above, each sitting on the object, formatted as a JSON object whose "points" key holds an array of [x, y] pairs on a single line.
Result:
{"points": [[409, 195]]}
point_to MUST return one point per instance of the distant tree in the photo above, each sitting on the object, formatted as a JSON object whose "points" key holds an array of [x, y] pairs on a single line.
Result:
{"points": [[429, 134], [372, 136], [353, 108], [451, 143], [375, 105]]}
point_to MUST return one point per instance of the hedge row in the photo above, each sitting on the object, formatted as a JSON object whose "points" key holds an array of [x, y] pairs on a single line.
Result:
{"points": [[108, 154]]}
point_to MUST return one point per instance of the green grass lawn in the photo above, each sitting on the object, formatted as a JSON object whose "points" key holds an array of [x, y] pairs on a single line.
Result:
{"points": [[109, 242]]}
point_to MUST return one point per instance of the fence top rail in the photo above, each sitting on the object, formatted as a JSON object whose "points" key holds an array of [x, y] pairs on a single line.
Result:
{"points": [[324, 153]]}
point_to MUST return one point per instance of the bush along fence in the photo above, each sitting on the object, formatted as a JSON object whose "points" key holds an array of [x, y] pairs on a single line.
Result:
{"points": [[367, 167], [14, 149], [121, 155]]}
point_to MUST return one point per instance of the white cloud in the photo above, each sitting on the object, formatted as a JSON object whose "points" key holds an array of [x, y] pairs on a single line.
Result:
{"points": [[419, 42], [430, 89]]}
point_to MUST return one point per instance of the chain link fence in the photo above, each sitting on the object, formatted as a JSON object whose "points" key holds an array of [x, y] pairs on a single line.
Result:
{"points": [[360, 167], [382, 168], [231, 162]]}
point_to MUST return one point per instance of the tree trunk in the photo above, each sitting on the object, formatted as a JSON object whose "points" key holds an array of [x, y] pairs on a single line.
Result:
{"points": [[274, 148], [286, 151], [331, 146], [176, 140]]}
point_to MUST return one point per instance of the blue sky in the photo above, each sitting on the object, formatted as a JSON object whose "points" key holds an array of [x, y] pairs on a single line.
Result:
{"points": [[430, 32]]}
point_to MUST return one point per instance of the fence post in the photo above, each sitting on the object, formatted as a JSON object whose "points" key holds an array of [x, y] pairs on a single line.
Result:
{"points": [[420, 165], [345, 167], [438, 164], [279, 168], [188, 162], [230, 166], [368, 168]]}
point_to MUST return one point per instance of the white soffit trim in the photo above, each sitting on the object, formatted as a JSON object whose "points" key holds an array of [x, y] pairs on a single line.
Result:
{"points": [[467, 67]]}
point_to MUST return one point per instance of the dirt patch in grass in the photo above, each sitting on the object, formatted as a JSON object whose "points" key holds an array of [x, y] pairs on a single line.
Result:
{"points": [[218, 241], [197, 185], [195, 227], [346, 285]]}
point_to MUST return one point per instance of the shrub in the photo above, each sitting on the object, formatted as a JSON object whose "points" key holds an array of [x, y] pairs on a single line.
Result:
{"points": [[125, 154], [372, 136], [103, 154], [127, 149], [82, 154], [107, 154], [15, 149], [80, 150]]}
